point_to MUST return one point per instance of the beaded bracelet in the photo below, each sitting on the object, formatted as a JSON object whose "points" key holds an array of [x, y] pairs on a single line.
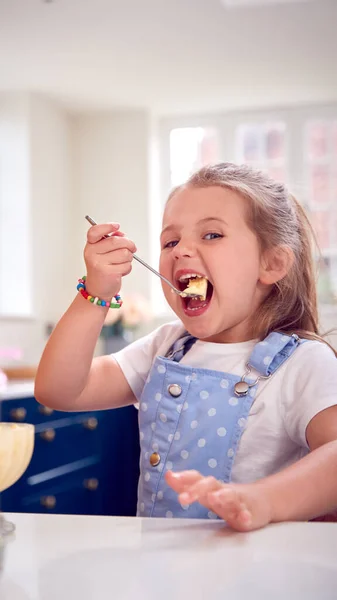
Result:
{"points": [[82, 289]]}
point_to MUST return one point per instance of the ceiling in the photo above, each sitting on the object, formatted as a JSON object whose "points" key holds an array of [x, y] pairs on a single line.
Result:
{"points": [[171, 56]]}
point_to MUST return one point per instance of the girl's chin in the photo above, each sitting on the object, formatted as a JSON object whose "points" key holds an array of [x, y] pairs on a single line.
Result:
{"points": [[198, 325], [191, 317]]}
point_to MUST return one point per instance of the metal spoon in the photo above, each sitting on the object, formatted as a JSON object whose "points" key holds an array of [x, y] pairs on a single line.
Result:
{"points": [[142, 262]]}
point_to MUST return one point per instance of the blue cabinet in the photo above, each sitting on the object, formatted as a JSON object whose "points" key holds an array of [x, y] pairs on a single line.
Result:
{"points": [[83, 463]]}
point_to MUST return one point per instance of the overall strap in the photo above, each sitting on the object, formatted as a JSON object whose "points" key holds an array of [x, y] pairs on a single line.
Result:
{"points": [[267, 356], [180, 347], [271, 353]]}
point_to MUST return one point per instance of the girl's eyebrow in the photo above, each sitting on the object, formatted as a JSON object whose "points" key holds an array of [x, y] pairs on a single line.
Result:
{"points": [[201, 222], [168, 228]]}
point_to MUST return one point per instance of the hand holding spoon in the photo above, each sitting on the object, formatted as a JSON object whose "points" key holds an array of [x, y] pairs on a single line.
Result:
{"points": [[184, 294]]}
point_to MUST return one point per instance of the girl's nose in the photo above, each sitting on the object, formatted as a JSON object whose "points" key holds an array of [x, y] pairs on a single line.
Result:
{"points": [[184, 249]]}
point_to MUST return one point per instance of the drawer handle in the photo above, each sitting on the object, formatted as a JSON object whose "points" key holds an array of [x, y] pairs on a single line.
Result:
{"points": [[18, 414], [91, 423], [91, 484], [45, 410], [48, 435], [48, 502]]}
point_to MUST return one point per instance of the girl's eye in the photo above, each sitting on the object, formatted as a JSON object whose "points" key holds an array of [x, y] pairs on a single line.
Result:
{"points": [[170, 244], [212, 236]]}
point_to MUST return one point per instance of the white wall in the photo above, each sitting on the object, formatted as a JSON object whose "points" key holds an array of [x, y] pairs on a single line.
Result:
{"points": [[97, 165], [15, 255], [42, 165], [51, 208], [112, 182]]}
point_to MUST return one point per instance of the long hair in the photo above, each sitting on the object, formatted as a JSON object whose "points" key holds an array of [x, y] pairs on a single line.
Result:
{"points": [[277, 219]]}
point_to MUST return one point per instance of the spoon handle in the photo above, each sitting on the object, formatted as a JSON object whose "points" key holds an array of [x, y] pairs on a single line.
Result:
{"points": [[142, 262]]}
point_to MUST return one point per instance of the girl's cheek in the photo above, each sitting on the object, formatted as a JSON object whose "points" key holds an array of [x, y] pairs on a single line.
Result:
{"points": [[164, 263]]}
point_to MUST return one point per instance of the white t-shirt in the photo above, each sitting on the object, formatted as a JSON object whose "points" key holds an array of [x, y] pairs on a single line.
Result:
{"points": [[275, 434]]}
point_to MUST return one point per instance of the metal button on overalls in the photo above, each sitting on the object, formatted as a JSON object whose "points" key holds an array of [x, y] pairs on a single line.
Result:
{"points": [[154, 459], [175, 390]]}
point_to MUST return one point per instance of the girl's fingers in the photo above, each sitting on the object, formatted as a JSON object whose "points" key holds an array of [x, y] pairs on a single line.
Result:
{"points": [[114, 242], [182, 480], [112, 272], [109, 251], [116, 257], [240, 520], [200, 490], [119, 233], [97, 232], [222, 499], [240, 506], [226, 503], [244, 521], [120, 269]]}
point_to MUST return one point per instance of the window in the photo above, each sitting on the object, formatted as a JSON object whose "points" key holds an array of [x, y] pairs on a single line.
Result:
{"points": [[262, 145], [320, 156], [187, 149], [190, 149], [295, 145]]}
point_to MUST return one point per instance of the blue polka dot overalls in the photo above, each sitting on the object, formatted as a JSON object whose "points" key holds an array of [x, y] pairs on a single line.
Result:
{"points": [[193, 419]]}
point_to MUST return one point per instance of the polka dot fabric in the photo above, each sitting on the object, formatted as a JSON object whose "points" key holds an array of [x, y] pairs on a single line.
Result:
{"points": [[199, 427], [271, 353]]}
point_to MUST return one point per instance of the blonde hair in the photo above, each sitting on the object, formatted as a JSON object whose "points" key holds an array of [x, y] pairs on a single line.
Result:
{"points": [[278, 219]]}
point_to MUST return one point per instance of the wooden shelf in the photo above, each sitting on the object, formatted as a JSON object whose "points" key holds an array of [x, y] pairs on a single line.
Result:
{"points": [[19, 372]]}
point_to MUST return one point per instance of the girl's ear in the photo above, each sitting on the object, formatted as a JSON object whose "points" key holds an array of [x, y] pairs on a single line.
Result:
{"points": [[275, 264]]}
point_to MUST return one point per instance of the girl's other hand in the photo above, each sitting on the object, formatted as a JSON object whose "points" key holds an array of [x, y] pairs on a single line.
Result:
{"points": [[243, 507]]}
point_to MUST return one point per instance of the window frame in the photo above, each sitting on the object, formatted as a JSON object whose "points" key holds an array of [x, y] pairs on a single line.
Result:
{"points": [[295, 119]]}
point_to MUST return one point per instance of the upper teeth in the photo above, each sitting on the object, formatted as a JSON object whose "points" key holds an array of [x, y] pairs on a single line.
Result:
{"points": [[190, 276]]}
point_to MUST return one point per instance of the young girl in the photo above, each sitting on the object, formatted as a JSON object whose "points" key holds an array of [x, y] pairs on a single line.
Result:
{"points": [[238, 415]]}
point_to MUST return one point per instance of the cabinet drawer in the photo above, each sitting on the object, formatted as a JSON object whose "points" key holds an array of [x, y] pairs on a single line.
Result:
{"points": [[65, 441], [27, 410], [83, 487], [107, 448]]}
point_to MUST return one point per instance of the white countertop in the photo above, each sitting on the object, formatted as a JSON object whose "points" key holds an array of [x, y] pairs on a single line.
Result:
{"points": [[17, 389], [98, 558]]}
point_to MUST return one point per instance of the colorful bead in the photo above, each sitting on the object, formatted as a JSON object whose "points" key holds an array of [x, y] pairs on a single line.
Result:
{"points": [[116, 301]]}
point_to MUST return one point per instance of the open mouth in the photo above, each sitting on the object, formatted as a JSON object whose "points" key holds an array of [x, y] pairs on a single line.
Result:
{"points": [[199, 284]]}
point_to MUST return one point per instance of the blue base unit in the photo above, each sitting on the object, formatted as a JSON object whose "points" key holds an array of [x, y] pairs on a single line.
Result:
{"points": [[83, 463]]}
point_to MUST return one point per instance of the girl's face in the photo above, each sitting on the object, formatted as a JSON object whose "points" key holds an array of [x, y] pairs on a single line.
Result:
{"points": [[205, 233]]}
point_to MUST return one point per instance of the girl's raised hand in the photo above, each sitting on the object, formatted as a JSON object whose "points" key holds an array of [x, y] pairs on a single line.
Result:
{"points": [[107, 259], [243, 507]]}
